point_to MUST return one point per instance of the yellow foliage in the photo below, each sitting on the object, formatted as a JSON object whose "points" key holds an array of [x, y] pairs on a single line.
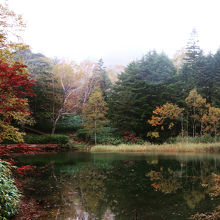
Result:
{"points": [[168, 113], [10, 133], [211, 121], [153, 134], [94, 112]]}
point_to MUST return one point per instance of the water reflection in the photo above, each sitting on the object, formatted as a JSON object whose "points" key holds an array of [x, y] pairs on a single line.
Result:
{"points": [[125, 186]]}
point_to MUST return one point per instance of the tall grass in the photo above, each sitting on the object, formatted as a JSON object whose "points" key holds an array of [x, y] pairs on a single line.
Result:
{"points": [[147, 147], [197, 139]]}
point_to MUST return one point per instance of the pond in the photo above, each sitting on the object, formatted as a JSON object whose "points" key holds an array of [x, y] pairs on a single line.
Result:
{"points": [[77, 185]]}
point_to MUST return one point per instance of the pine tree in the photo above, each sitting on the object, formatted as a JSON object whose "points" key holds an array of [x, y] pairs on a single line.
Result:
{"points": [[193, 50], [138, 90], [215, 80], [94, 113], [190, 68], [103, 80]]}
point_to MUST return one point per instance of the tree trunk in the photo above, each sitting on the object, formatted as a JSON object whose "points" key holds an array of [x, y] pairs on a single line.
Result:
{"points": [[54, 125], [194, 124], [55, 120], [182, 126], [187, 121], [95, 131], [194, 113], [201, 131], [215, 132]]}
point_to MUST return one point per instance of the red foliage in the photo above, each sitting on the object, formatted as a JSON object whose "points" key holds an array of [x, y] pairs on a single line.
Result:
{"points": [[14, 83], [130, 137], [13, 79], [25, 170], [10, 160], [155, 186], [7, 150], [29, 210]]}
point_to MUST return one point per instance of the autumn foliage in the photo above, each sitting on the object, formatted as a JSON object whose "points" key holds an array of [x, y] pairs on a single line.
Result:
{"points": [[15, 86], [165, 117], [198, 118], [15, 80]]}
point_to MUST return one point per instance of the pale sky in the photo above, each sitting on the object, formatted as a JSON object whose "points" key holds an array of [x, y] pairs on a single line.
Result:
{"points": [[118, 31]]}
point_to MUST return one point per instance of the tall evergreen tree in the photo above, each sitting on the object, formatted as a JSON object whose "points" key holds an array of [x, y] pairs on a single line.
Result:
{"points": [[103, 80], [40, 68], [215, 80], [190, 70], [138, 90]]}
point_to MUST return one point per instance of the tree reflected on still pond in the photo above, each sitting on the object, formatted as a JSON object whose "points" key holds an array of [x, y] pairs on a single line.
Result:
{"points": [[142, 187]]}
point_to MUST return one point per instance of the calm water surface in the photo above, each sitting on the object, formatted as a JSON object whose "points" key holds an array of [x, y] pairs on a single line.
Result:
{"points": [[125, 186]]}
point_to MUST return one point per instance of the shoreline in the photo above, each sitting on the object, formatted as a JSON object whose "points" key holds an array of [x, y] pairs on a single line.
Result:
{"points": [[176, 147]]}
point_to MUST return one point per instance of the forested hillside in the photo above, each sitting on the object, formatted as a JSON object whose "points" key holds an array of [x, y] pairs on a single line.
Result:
{"points": [[154, 81], [152, 99]]}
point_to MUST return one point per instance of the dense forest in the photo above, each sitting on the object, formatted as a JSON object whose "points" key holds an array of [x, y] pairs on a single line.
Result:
{"points": [[155, 104], [153, 98]]}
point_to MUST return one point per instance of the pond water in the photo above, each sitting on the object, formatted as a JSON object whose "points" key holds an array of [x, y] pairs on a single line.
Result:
{"points": [[77, 185]]}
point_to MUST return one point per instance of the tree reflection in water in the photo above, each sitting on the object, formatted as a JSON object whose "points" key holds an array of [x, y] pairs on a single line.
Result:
{"points": [[144, 188]]}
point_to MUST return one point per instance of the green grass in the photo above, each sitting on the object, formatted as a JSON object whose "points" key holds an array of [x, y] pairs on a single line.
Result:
{"points": [[147, 147], [196, 140]]}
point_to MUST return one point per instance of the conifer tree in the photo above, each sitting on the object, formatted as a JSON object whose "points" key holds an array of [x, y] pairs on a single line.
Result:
{"points": [[103, 79], [138, 90], [193, 50], [191, 65], [215, 81]]}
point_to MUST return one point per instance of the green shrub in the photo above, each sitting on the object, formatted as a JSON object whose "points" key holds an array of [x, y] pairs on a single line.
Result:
{"points": [[46, 139], [105, 136], [81, 133], [9, 194], [6, 141], [67, 123], [114, 140]]}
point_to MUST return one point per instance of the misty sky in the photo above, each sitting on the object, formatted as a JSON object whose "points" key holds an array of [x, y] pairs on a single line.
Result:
{"points": [[119, 31]]}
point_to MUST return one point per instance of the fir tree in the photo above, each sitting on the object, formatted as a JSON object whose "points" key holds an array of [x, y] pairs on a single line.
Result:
{"points": [[139, 89]]}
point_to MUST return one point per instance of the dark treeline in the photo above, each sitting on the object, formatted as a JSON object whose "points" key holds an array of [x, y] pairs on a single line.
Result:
{"points": [[143, 86], [154, 81]]}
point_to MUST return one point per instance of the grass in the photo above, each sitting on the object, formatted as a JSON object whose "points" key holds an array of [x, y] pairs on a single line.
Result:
{"points": [[147, 147]]}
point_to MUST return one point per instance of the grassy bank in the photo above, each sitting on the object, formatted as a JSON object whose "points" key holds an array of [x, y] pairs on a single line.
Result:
{"points": [[147, 147]]}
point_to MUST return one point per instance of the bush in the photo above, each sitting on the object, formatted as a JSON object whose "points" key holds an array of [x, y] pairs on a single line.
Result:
{"points": [[116, 140], [105, 136], [46, 139], [113, 140], [67, 123], [9, 194], [81, 133]]}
